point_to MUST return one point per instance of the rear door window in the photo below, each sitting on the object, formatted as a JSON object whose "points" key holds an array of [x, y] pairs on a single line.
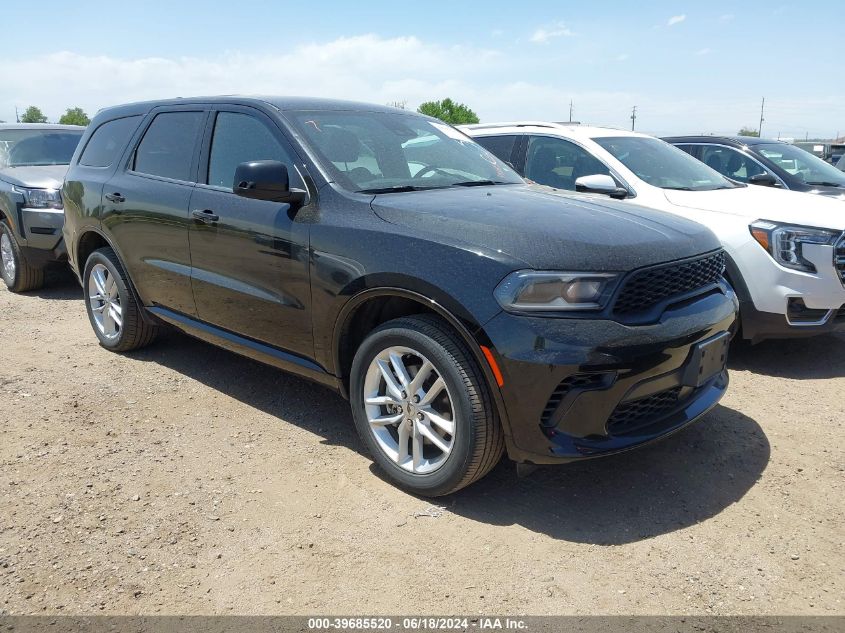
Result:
{"points": [[730, 162], [108, 141], [168, 146]]}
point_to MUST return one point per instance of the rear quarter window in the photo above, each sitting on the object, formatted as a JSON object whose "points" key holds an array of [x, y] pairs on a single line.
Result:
{"points": [[107, 141]]}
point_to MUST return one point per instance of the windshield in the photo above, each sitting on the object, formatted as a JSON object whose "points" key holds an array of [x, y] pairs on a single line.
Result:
{"points": [[379, 152], [801, 164], [29, 147], [663, 165]]}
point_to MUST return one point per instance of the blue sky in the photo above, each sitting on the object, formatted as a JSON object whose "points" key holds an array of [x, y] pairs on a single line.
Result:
{"points": [[688, 66]]}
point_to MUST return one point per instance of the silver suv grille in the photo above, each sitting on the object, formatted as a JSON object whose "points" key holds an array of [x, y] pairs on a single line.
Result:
{"points": [[839, 258]]}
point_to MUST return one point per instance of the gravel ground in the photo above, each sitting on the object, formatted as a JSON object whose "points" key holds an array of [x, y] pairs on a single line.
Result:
{"points": [[186, 479]]}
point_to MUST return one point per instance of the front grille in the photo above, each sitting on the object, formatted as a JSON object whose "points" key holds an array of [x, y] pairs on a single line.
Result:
{"points": [[839, 255], [635, 414], [646, 288], [575, 381]]}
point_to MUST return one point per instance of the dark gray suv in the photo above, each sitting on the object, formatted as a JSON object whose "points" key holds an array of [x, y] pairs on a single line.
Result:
{"points": [[33, 161]]}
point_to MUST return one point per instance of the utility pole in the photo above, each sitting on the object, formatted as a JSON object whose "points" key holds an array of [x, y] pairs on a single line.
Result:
{"points": [[17, 118], [570, 110], [760, 129], [633, 118]]}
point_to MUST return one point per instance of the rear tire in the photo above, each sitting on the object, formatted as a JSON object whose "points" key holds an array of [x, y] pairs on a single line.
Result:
{"points": [[16, 271], [114, 313], [423, 408]]}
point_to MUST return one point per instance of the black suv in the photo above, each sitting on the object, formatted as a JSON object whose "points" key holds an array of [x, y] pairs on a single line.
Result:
{"points": [[385, 254], [760, 161]]}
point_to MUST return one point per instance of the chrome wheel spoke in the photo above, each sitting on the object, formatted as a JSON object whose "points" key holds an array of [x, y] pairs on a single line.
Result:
{"points": [[392, 386], [7, 256], [403, 436], [400, 370], [384, 420], [98, 276], [436, 387], [115, 314], [447, 426], [426, 432], [383, 400], [416, 449], [104, 299], [421, 376]]}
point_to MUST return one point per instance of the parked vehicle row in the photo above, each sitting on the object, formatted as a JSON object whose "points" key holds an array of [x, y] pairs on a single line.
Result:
{"points": [[464, 311], [785, 250], [33, 161]]}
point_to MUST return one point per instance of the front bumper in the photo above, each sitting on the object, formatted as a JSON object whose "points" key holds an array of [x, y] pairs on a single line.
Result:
{"points": [[578, 388], [41, 236]]}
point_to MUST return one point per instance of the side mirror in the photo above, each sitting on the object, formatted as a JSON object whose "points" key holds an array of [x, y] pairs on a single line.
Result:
{"points": [[764, 179], [600, 183], [266, 180]]}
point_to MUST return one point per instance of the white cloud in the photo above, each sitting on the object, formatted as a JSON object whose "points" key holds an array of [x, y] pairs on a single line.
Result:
{"points": [[543, 34], [622, 57], [675, 19], [703, 51], [380, 70], [727, 17]]}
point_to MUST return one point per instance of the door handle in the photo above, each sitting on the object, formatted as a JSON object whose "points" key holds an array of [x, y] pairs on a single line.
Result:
{"points": [[114, 197], [206, 216]]}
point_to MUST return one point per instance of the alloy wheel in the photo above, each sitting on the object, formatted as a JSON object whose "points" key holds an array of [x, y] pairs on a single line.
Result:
{"points": [[7, 255], [409, 410], [104, 297]]}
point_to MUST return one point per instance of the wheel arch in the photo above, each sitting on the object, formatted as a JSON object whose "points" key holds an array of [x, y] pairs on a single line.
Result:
{"points": [[369, 308]]}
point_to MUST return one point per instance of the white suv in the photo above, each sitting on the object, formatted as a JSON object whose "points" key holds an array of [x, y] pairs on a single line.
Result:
{"points": [[786, 249]]}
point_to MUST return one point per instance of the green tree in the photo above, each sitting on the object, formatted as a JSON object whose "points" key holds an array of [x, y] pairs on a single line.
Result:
{"points": [[33, 114], [449, 111], [747, 131], [75, 116]]}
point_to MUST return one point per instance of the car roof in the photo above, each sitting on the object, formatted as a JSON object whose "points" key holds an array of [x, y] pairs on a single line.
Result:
{"points": [[278, 102], [574, 130], [733, 140], [39, 126]]}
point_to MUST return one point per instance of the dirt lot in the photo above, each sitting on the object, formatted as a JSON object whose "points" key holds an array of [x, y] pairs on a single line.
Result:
{"points": [[185, 479]]}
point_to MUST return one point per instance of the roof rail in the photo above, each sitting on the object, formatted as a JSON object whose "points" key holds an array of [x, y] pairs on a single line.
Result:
{"points": [[550, 124]]}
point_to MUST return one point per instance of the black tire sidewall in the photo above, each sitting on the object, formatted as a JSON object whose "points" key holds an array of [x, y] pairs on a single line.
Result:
{"points": [[99, 257], [453, 470]]}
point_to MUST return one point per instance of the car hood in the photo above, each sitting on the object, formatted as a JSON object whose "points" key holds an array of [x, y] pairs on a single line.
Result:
{"points": [[547, 230], [36, 177], [765, 203]]}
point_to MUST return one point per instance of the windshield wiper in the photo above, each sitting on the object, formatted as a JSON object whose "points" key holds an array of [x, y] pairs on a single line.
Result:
{"points": [[395, 189], [680, 188], [477, 183], [824, 183]]}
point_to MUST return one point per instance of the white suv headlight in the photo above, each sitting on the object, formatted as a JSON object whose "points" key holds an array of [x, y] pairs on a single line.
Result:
{"points": [[551, 291], [785, 243], [41, 198]]}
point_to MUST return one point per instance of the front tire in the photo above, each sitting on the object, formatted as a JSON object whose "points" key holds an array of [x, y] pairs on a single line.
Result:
{"points": [[17, 274], [114, 313], [422, 407]]}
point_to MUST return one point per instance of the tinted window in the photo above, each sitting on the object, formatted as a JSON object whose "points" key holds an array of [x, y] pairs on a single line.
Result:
{"points": [[167, 148], [801, 164], [30, 147], [379, 151], [501, 146], [239, 138], [108, 140], [558, 163], [730, 162], [662, 165]]}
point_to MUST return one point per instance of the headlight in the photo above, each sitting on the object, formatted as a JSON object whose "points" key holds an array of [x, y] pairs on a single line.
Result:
{"points": [[41, 198], [785, 243], [535, 291]]}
